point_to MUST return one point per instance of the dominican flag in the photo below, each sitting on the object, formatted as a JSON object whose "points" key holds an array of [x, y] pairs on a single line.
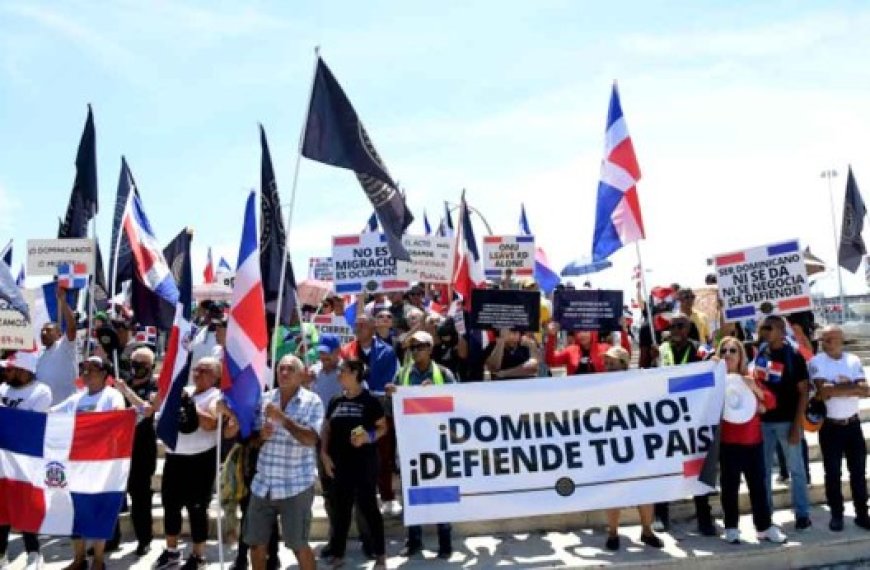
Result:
{"points": [[208, 272], [467, 272], [64, 474], [150, 263], [545, 276], [72, 275], [244, 377], [445, 228], [618, 220], [147, 335]]}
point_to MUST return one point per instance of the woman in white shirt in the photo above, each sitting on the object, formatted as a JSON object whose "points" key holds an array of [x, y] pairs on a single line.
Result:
{"points": [[96, 397]]}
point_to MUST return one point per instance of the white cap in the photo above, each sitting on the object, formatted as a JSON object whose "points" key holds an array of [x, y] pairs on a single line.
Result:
{"points": [[25, 360], [422, 337]]}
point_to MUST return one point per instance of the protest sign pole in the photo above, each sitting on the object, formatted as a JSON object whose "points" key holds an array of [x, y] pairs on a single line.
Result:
{"points": [[91, 289], [830, 175], [295, 183], [220, 509], [645, 294]]}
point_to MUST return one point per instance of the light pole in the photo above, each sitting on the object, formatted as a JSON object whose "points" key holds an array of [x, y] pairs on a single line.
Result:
{"points": [[829, 175]]}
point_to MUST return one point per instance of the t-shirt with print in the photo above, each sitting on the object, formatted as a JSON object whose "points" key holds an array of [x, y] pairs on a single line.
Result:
{"points": [[781, 370], [105, 400], [346, 414], [58, 369], [845, 370], [34, 397]]}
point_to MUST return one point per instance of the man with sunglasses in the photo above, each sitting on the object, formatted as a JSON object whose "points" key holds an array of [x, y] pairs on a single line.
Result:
{"points": [[679, 349], [423, 371], [840, 380], [784, 371], [699, 330]]}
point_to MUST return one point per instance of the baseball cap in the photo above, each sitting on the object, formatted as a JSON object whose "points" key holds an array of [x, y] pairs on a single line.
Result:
{"points": [[619, 354], [422, 337], [328, 343], [25, 360]]}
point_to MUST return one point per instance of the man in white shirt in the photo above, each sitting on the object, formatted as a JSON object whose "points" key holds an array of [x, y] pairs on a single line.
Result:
{"points": [[58, 365], [839, 379]]}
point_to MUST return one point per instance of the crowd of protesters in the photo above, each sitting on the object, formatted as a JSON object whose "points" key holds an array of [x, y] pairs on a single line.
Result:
{"points": [[328, 422]]}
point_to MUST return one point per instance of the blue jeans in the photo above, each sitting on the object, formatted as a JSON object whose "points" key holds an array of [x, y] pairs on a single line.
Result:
{"points": [[778, 432]]}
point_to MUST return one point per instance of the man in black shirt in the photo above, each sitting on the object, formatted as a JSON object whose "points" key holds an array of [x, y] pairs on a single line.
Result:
{"points": [[784, 372], [511, 357]]}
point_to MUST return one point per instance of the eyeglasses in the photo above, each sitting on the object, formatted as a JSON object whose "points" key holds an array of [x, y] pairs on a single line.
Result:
{"points": [[418, 347], [728, 350]]}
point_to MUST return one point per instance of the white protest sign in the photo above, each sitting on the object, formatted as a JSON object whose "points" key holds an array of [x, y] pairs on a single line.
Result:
{"points": [[333, 324], [320, 268], [363, 264], [431, 259], [508, 253], [492, 450], [16, 332], [763, 280], [44, 255]]}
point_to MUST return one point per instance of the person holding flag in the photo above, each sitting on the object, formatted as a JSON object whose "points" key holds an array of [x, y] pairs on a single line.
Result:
{"points": [[57, 367]]}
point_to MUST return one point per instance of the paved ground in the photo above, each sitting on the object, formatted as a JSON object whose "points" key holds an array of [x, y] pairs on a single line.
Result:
{"points": [[583, 548]]}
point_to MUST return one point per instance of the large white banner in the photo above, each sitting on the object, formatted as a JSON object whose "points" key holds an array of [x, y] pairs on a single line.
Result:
{"points": [[431, 259], [492, 450], [44, 255], [762, 280]]}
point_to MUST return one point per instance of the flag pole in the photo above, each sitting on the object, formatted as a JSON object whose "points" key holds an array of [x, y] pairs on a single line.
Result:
{"points": [[829, 175], [283, 276], [220, 510], [645, 293], [91, 289]]}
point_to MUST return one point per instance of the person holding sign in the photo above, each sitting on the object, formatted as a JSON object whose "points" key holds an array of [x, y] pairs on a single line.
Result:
{"points": [[784, 372], [616, 359], [57, 367], [511, 357], [584, 356], [840, 380], [424, 372], [741, 452]]}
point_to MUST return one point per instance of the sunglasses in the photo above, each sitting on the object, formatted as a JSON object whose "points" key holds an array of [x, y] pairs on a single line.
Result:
{"points": [[418, 347], [731, 350], [680, 326]]}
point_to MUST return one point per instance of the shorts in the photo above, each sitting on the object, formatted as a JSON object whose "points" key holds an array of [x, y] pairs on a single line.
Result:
{"points": [[295, 513]]}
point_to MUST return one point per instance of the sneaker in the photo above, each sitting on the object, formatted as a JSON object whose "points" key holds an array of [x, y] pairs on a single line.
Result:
{"points": [[862, 522], [836, 524], [659, 525], [803, 523], [325, 552], [445, 554], [732, 536], [168, 560], [612, 543], [782, 479], [34, 561], [411, 550], [774, 534], [194, 562], [391, 509], [708, 529], [652, 541], [142, 549]]}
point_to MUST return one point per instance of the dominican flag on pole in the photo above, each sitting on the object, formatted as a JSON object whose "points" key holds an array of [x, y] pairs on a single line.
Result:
{"points": [[150, 263], [208, 272], [72, 275], [618, 220], [244, 377], [545, 276], [64, 474], [467, 273], [445, 228]]}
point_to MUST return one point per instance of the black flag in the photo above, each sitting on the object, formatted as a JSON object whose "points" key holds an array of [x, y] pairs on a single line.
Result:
{"points": [[121, 248], [272, 240], [83, 199], [852, 248], [334, 135], [151, 310]]}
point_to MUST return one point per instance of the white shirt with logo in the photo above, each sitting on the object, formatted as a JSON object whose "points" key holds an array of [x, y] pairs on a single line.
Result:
{"points": [[34, 397], [846, 370], [105, 400], [58, 369]]}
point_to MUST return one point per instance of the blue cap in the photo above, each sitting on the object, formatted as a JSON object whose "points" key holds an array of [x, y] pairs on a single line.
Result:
{"points": [[328, 343]]}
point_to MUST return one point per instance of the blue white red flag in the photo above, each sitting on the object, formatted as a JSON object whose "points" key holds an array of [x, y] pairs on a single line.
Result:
{"points": [[173, 377], [546, 277], [208, 272], [445, 228], [72, 275], [244, 377], [64, 474], [467, 270], [147, 254], [618, 220]]}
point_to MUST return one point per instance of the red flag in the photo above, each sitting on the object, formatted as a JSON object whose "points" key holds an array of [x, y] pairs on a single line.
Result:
{"points": [[208, 273], [467, 273]]}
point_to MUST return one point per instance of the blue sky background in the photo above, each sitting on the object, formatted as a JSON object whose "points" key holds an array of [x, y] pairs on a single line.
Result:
{"points": [[734, 108]]}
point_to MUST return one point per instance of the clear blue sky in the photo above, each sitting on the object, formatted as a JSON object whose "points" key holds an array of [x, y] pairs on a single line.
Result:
{"points": [[734, 109]]}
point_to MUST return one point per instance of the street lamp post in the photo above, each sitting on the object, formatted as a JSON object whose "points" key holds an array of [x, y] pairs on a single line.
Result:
{"points": [[829, 175]]}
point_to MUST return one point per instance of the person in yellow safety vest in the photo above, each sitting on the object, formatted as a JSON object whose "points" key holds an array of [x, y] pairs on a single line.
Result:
{"points": [[423, 371]]}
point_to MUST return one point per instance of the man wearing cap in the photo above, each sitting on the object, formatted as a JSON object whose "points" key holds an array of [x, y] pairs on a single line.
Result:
{"points": [[839, 378], [423, 371], [20, 391], [699, 330], [96, 397], [679, 349], [58, 367]]}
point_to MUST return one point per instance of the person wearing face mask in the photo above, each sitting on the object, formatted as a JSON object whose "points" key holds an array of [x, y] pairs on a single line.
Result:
{"points": [[143, 462], [584, 356], [22, 392], [451, 349]]}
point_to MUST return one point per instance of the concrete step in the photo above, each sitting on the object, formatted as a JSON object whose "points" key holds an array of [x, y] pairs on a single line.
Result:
{"points": [[680, 511]]}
